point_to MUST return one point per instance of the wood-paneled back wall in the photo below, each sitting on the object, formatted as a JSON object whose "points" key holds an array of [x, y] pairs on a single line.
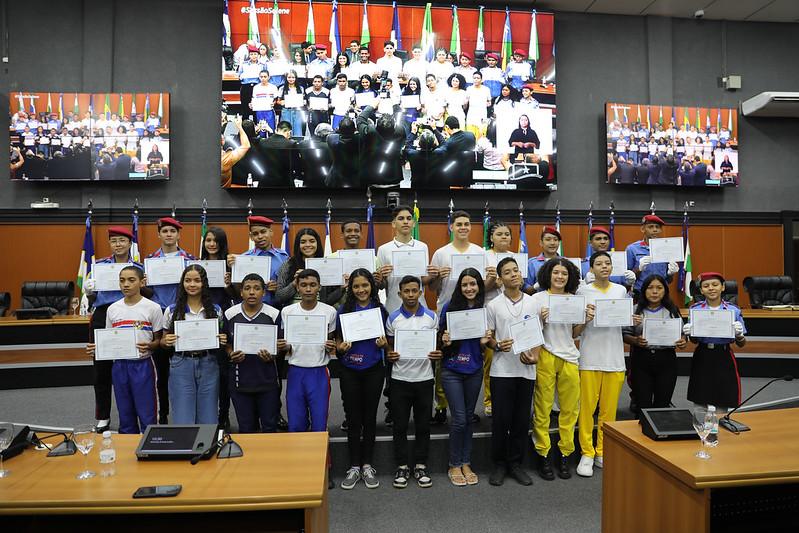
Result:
{"points": [[35, 252]]}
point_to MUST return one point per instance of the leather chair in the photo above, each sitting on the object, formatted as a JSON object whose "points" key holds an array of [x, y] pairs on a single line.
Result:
{"points": [[729, 295], [769, 290], [5, 302], [51, 297]]}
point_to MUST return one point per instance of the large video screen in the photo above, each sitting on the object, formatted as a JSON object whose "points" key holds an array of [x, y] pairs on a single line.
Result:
{"points": [[83, 136], [410, 96], [671, 145]]}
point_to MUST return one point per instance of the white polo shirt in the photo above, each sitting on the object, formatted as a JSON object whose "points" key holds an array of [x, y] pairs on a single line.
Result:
{"points": [[558, 338], [393, 301], [310, 355], [412, 370], [601, 349], [442, 258], [502, 312]]}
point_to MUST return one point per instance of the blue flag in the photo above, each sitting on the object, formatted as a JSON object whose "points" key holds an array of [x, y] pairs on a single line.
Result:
{"points": [[284, 243], [370, 232], [134, 249], [588, 249], [396, 36], [522, 235], [612, 230], [86, 255]]}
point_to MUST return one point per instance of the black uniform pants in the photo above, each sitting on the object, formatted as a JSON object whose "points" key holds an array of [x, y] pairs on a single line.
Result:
{"points": [[101, 371], [360, 391], [655, 372], [407, 396], [512, 401]]}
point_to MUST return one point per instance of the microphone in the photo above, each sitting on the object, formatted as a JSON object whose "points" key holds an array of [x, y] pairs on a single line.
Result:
{"points": [[736, 427], [206, 454]]}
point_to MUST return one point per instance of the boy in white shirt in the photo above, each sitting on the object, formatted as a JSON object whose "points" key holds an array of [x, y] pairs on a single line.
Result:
{"points": [[263, 101], [341, 98], [478, 96], [389, 62]]}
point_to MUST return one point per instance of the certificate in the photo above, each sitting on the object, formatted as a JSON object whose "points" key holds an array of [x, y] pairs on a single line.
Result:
{"points": [[526, 334], [252, 338], [106, 275], [362, 325], [292, 99], [667, 250], [613, 312], [355, 259], [468, 324], [215, 269], [364, 99], [619, 260], [317, 103], [306, 329], [521, 260], [662, 331], [715, 323], [409, 263], [566, 309], [330, 269], [115, 343], [196, 335], [251, 264], [410, 101], [164, 270], [414, 343], [460, 262]]}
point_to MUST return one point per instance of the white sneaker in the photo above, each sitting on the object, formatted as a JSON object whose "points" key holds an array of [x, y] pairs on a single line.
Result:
{"points": [[586, 466], [598, 462]]}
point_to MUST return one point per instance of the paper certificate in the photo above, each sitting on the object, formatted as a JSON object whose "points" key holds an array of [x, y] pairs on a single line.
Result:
{"points": [[215, 269], [410, 101], [306, 329], [662, 331], [526, 334], [252, 338], [317, 104], [460, 262], [714, 323], [115, 343], [292, 99], [330, 269], [667, 250], [619, 260], [364, 99], [196, 335], [613, 312], [106, 275], [521, 260], [355, 259], [409, 263], [164, 270], [362, 325], [468, 324], [414, 343], [566, 309], [251, 264]]}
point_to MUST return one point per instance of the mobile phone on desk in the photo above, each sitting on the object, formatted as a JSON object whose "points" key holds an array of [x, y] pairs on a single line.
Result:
{"points": [[160, 491]]}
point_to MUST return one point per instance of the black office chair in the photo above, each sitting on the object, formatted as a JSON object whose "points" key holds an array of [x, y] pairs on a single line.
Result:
{"points": [[5, 302], [730, 293], [41, 299], [769, 290]]}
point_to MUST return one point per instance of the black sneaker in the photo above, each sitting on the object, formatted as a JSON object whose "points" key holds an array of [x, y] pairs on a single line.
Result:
{"points": [[439, 418], [517, 472], [497, 476], [563, 468], [401, 477], [282, 425], [345, 425], [545, 468], [423, 479]]}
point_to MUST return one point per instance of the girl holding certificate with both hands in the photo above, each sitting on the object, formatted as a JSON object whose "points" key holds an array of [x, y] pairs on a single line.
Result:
{"points": [[361, 379], [193, 375], [461, 373]]}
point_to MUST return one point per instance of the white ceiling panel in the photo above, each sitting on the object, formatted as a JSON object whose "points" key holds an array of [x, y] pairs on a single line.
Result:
{"points": [[778, 11], [733, 9]]}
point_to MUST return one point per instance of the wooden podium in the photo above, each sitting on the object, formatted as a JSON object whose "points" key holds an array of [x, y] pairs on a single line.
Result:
{"points": [[280, 484], [751, 482]]}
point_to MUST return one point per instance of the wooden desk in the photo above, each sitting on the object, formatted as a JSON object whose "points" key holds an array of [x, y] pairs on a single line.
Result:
{"points": [[660, 486], [283, 471]]}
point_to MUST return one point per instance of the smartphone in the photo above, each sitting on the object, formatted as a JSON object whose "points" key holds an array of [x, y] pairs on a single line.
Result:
{"points": [[161, 491]]}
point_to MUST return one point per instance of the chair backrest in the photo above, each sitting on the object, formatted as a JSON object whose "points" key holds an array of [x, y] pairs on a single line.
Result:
{"points": [[5, 302], [48, 294], [730, 293], [769, 290]]}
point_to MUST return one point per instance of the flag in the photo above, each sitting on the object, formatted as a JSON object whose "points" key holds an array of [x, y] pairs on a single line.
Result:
{"points": [[685, 119], [449, 223], [486, 236], [285, 240], [507, 41], [21, 102], [61, 106], [660, 119], [335, 35], [370, 222], [203, 232], [276, 35], [252, 24], [648, 120], [75, 106], [396, 34], [481, 40], [134, 248], [686, 268], [698, 121], [121, 110], [49, 106], [133, 107], [365, 38], [615, 112], [455, 39], [729, 121], [624, 109], [588, 249], [557, 227], [532, 52], [707, 121], [160, 105], [639, 114], [417, 216], [32, 109], [718, 121], [612, 230], [310, 34], [225, 26], [147, 106], [673, 116], [107, 106], [428, 40], [328, 247], [522, 234], [86, 255]]}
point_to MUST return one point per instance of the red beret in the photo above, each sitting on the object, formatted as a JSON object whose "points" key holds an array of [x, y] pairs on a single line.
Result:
{"points": [[519, 52], [492, 55], [467, 56], [252, 48], [321, 47], [704, 276], [552, 231], [528, 86], [259, 221], [599, 229], [121, 231], [169, 221], [652, 219]]}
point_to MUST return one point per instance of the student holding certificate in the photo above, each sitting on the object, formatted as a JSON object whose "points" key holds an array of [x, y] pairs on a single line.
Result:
{"points": [[557, 367], [361, 380], [599, 239], [193, 375], [254, 382], [512, 377], [550, 244], [714, 373], [306, 244], [601, 365], [638, 255], [134, 379], [461, 372], [654, 364], [261, 235]]}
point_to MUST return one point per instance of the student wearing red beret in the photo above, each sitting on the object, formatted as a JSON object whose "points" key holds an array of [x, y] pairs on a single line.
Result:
{"points": [[638, 255], [519, 71]]}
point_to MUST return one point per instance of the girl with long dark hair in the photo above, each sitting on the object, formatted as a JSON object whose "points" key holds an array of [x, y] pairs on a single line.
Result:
{"points": [[306, 244]]}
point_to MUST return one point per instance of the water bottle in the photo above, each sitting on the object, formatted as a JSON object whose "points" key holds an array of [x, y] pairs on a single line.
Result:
{"points": [[249, 179], [712, 421], [108, 456]]}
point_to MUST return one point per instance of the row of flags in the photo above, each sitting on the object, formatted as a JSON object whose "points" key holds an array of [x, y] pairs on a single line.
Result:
{"points": [[685, 122], [106, 107]]}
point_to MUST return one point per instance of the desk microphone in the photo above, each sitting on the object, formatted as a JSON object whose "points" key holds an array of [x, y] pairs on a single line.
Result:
{"points": [[737, 427]]}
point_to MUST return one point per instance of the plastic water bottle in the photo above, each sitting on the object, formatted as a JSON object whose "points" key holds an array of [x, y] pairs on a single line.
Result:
{"points": [[712, 420], [108, 456], [249, 179]]}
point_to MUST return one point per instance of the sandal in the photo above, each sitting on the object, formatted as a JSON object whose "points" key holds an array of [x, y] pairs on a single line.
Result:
{"points": [[471, 477], [456, 477]]}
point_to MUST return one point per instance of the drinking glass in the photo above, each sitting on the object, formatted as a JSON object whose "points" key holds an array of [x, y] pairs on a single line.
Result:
{"points": [[702, 430], [84, 436], [6, 434]]}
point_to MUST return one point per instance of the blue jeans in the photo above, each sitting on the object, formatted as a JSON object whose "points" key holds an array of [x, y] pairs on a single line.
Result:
{"points": [[462, 391], [295, 117], [194, 389]]}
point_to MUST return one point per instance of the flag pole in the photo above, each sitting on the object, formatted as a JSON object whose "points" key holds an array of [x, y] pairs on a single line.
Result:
{"points": [[652, 208], [612, 226], [328, 246], [486, 225], [590, 225], [286, 224], [203, 227], [249, 214]]}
